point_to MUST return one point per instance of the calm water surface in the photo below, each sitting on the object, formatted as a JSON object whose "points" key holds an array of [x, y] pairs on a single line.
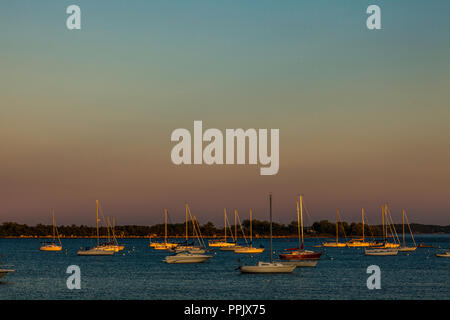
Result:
{"points": [[139, 273]]}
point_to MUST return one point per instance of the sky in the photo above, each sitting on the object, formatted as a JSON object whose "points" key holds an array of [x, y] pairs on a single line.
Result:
{"points": [[88, 114]]}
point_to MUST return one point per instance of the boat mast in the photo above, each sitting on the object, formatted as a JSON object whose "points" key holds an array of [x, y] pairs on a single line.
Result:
{"points": [[165, 225], [337, 232], [403, 225], [235, 225], [362, 217], [382, 221], [298, 225], [109, 236], [251, 238], [270, 201], [53, 224], [186, 223], [225, 220], [301, 217], [96, 207]]}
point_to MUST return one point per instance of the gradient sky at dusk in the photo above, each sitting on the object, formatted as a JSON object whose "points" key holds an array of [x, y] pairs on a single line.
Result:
{"points": [[364, 116]]}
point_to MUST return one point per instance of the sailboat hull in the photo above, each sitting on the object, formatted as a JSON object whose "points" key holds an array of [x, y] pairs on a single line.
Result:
{"points": [[263, 267], [50, 247], [186, 258], [4, 272], [301, 263], [334, 245], [301, 255], [249, 250], [221, 244], [381, 252], [95, 252], [407, 249]]}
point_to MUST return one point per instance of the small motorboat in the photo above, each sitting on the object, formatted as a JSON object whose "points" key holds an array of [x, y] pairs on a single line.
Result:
{"points": [[381, 252], [186, 257]]}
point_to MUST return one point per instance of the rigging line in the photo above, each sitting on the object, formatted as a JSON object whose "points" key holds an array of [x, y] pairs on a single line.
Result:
{"points": [[410, 231], [308, 218], [199, 231], [392, 226], [240, 225], [369, 227], [229, 225], [194, 229]]}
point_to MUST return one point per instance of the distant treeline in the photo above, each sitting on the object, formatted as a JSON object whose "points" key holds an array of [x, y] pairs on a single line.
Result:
{"points": [[260, 229]]}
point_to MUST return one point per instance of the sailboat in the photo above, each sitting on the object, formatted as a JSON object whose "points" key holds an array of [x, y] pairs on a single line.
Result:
{"points": [[385, 224], [109, 245], [236, 246], [165, 245], [336, 244], [53, 245], [196, 234], [249, 249], [405, 248], [99, 250], [193, 254], [360, 242], [186, 246], [300, 253], [223, 242], [268, 267], [386, 248]]}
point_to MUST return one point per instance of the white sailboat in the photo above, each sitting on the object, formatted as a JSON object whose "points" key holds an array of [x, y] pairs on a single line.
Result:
{"points": [[268, 267], [186, 257], [99, 250]]}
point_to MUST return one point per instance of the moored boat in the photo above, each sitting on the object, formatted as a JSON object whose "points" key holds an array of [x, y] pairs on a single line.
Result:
{"points": [[300, 263], [380, 252], [186, 257], [249, 249], [268, 267], [106, 249], [336, 244], [53, 245], [300, 253], [223, 242], [4, 272], [443, 255]]}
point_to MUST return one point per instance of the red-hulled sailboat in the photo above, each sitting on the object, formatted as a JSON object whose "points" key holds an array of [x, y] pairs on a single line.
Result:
{"points": [[300, 253]]}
